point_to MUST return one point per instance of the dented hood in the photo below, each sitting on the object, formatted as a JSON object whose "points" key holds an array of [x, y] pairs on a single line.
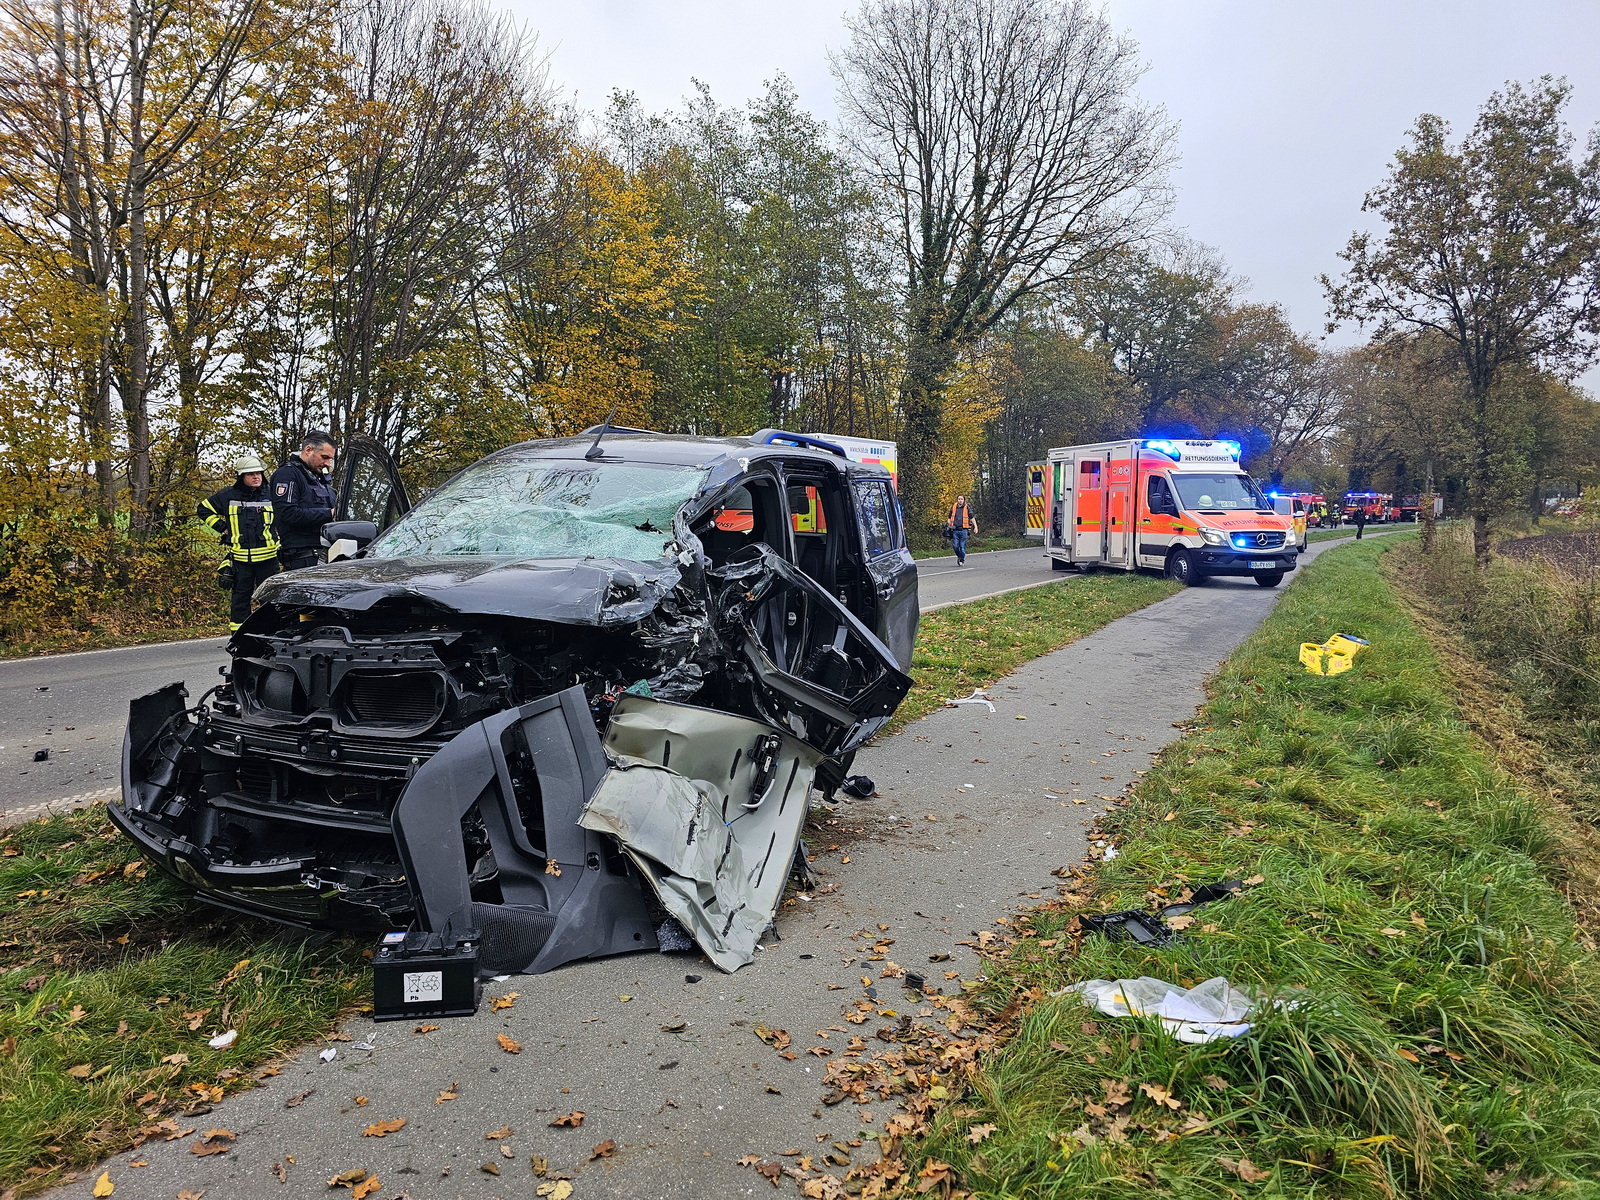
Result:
{"points": [[572, 591]]}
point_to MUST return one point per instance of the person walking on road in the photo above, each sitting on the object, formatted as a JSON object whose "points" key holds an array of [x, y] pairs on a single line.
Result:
{"points": [[961, 524], [1361, 522], [242, 515], [303, 501]]}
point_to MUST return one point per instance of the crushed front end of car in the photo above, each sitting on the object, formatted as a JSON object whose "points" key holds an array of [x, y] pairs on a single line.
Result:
{"points": [[556, 752]]}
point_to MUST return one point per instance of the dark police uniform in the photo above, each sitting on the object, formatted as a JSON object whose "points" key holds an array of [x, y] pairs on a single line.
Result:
{"points": [[303, 500], [243, 518]]}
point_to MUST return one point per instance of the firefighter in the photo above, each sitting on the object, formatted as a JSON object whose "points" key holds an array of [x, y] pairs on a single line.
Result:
{"points": [[302, 497], [961, 524], [242, 516]]}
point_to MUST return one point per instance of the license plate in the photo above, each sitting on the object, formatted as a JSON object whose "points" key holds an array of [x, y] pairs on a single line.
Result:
{"points": [[1269, 564]]}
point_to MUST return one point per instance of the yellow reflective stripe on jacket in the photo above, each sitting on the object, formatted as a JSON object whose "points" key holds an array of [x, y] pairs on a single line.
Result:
{"points": [[214, 521], [256, 553]]}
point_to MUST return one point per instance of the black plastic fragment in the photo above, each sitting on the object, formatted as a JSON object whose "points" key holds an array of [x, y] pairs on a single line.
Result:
{"points": [[859, 786], [1151, 929], [41, 755]]}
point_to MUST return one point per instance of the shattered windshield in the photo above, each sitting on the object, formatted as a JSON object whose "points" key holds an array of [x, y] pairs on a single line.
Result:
{"points": [[544, 508], [1220, 491]]}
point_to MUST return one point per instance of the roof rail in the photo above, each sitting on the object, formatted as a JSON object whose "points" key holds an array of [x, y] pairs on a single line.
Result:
{"points": [[615, 429], [769, 437]]}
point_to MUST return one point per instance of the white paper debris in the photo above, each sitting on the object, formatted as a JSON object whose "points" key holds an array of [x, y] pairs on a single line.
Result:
{"points": [[365, 1046], [329, 1054], [1211, 1010], [222, 1041]]}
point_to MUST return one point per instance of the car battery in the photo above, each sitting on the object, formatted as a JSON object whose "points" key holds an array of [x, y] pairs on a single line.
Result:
{"points": [[425, 975]]}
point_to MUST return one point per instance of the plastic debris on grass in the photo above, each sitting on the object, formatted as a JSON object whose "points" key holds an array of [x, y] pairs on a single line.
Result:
{"points": [[977, 697], [1210, 1010], [1332, 657]]}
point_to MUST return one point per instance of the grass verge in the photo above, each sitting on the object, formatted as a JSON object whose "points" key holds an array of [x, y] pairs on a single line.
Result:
{"points": [[42, 645], [111, 983], [112, 978], [1443, 1040]]}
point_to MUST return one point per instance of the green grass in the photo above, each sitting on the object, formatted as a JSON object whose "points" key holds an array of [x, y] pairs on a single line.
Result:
{"points": [[34, 645], [1446, 1036], [978, 545], [103, 968], [971, 645]]}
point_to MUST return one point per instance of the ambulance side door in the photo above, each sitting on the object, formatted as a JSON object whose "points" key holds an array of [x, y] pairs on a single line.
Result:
{"points": [[1120, 504], [1158, 524], [1088, 519]]}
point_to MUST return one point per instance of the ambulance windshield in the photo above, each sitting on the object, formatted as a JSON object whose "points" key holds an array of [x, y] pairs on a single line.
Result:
{"points": [[1229, 493]]}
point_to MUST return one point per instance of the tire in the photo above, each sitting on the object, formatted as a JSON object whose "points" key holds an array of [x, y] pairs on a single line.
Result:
{"points": [[1270, 578], [1060, 564], [1182, 568]]}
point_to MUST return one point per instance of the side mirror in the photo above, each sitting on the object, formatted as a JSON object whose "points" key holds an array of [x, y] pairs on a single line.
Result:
{"points": [[343, 538]]}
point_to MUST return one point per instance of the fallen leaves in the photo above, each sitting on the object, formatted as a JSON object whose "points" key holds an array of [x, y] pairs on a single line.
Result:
{"points": [[1245, 1169], [380, 1129], [778, 1039], [552, 867], [498, 1003], [604, 1150], [556, 1189], [449, 1093], [190, 1194], [299, 1098], [365, 1188], [1160, 1095], [103, 1186], [977, 1133], [933, 1174], [494, 1135], [509, 1045], [571, 1121], [427, 1028], [214, 1141], [348, 1179], [490, 1168]]}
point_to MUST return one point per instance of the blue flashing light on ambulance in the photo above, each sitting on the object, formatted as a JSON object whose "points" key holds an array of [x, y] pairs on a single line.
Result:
{"points": [[1178, 505]]}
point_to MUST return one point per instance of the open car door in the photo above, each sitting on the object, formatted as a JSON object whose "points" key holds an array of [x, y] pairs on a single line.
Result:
{"points": [[816, 670], [370, 488]]}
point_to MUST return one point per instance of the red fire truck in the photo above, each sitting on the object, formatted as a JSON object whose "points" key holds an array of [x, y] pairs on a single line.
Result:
{"points": [[1182, 506]]}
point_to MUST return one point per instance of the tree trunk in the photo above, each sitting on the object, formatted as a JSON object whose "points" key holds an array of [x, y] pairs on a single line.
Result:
{"points": [[135, 403], [922, 396], [1425, 513]]}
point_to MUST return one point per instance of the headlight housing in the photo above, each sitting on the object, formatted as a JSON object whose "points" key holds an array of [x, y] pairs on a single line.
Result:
{"points": [[1213, 537]]}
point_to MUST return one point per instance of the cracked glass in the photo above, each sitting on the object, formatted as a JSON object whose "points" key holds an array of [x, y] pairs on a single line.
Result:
{"points": [[546, 508]]}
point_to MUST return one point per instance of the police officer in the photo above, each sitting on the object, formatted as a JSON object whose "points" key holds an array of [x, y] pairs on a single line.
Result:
{"points": [[242, 516], [302, 496]]}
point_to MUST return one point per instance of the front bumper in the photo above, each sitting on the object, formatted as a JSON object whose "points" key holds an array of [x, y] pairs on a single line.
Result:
{"points": [[1221, 560]]}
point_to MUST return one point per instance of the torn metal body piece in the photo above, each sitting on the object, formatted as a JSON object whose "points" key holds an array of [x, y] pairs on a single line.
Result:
{"points": [[562, 699]]}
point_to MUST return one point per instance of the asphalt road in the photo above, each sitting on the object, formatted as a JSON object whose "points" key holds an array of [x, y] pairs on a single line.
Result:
{"points": [[76, 705], [974, 811]]}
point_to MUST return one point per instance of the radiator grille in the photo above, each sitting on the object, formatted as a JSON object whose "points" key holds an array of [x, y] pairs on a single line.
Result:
{"points": [[1266, 539], [402, 698]]}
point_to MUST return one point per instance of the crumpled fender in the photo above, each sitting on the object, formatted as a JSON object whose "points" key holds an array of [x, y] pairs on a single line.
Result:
{"points": [[710, 807]]}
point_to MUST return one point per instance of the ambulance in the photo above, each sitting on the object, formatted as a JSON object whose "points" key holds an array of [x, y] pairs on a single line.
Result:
{"points": [[1181, 506], [1033, 503]]}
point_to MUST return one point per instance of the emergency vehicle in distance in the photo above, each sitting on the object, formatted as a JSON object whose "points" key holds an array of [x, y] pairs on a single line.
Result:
{"points": [[1182, 506]]}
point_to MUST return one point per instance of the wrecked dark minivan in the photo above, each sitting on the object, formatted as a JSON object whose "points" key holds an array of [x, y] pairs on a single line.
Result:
{"points": [[586, 685]]}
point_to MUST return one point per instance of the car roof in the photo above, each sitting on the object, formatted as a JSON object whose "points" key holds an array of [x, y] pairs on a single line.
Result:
{"points": [[671, 449]]}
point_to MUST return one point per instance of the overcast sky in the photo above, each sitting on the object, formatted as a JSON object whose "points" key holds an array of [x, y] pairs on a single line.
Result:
{"points": [[1289, 109]]}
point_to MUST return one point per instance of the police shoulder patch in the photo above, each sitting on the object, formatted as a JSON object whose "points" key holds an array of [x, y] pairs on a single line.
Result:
{"points": [[283, 489]]}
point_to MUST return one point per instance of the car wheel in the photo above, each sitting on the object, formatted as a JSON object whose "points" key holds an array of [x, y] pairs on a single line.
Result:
{"points": [[1182, 568], [1060, 564], [1270, 579]]}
